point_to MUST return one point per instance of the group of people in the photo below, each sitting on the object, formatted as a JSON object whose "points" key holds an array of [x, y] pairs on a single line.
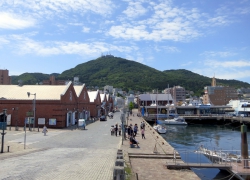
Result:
{"points": [[115, 129]]}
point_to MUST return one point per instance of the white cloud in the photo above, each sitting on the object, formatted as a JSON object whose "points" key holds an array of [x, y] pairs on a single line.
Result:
{"points": [[223, 73], [187, 63], [135, 9], [14, 21], [218, 54], [85, 29], [227, 64], [24, 45], [48, 8]]}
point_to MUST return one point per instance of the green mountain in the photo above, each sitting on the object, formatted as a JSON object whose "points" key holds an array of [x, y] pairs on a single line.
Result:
{"points": [[129, 75]]}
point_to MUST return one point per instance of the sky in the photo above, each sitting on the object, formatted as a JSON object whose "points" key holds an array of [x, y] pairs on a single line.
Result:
{"points": [[208, 37]]}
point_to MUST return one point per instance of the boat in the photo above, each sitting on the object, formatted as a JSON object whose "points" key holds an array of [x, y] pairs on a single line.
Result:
{"points": [[175, 121], [160, 129], [218, 155]]}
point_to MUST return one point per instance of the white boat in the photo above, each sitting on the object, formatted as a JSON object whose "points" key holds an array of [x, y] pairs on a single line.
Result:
{"points": [[176, 121], [160, 129]]}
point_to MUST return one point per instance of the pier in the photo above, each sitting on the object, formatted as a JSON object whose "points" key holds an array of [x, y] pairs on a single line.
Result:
{"points": [[149, 160], [203, 119]]}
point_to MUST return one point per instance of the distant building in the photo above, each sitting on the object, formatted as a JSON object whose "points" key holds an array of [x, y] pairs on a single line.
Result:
{"points": [[244, 93], [178, 93], [130, 98], [108, 89], [52, 81], [5, 79], [218, 95]]}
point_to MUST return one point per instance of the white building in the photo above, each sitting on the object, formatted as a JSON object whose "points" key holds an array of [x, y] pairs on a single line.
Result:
{"points": [[130, 98], [240, 107]]}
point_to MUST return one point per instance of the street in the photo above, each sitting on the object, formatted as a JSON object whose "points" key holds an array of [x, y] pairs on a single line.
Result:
{"points": [[63, 153]]}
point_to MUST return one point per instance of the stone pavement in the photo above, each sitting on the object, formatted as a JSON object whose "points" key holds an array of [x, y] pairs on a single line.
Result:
{"points": [[149, 168], [63, 154]]}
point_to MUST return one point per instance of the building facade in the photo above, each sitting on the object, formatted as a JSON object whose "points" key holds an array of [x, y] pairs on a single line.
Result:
{"points": [[178, 94], [219, 95], [52, 81], [5, 79], [56, 106]]}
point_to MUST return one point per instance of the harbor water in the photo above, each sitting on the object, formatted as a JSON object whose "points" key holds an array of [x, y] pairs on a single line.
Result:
{"points": [[187, 139]]}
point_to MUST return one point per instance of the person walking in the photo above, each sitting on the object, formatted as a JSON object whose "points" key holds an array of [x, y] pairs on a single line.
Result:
{"points": [[143, 133], [45, 130], [119, 129], [116, 129], [135, 129]]}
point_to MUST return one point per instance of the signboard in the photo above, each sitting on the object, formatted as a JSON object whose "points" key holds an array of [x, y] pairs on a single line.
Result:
{"points": [[41, 121], [29, 114], [52, 122], [29, 120], [81, 123], [9, 119]]}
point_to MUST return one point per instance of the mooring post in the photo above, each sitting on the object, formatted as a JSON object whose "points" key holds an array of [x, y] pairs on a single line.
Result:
{"points": [[244, 146]]}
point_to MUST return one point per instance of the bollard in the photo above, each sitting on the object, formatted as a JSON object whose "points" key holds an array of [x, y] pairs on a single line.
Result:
{"points": [[119, 162], [119, 157], [119, 173], [8, 148]]}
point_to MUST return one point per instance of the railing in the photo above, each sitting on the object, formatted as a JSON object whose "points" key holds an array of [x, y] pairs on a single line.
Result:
{"points": [[214, 157]]}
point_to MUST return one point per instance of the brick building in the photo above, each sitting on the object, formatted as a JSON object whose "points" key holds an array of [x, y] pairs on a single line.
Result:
{"points": [[4, 77], [52, 81], [56, 105]]}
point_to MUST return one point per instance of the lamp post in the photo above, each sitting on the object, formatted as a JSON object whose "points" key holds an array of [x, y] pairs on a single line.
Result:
{"points": [[3, 126], [34, 108]]}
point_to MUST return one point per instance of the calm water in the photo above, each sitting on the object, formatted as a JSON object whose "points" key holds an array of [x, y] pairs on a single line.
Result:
{"points": [[186, 139]]}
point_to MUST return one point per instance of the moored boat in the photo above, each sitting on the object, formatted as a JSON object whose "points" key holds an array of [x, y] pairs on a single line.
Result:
{"points": [[176, 121], [160, 129]]}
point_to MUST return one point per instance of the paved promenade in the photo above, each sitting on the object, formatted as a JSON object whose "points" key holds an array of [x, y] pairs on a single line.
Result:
{"points": [[84, 154], [63, 154], [149, 168]]}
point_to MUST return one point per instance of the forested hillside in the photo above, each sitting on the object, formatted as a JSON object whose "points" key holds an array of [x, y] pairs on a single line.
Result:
{"points": [[129, 75]]}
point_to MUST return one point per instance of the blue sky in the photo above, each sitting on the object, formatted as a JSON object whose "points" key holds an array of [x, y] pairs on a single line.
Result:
{"points": [[208, 37]]}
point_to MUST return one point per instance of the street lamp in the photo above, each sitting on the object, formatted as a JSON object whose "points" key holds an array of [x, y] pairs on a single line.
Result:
{"points": [[34, 108], [3, 126]]}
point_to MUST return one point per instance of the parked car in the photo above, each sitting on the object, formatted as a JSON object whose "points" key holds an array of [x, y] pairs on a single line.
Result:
{"points": [[103, 118]]}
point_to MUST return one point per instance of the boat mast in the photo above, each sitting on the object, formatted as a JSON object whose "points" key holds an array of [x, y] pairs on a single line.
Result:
{"points": [[156, 107]]}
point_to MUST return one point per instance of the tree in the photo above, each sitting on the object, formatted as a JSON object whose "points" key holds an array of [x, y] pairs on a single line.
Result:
{"points": [[131, 106]]}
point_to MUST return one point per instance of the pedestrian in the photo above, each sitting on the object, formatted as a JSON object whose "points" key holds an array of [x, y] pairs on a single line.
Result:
{"points": [[143, 125], [143, 133], [135, 129], [130, 131], [133, 141], [116, 129], [119, 129], [112, 130], [45, 130]]}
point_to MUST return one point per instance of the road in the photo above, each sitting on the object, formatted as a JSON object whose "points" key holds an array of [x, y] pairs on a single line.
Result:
{"points": [[63, 153]]}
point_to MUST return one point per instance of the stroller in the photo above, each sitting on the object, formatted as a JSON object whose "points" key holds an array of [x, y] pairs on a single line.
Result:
{"points": [[112, 130]]}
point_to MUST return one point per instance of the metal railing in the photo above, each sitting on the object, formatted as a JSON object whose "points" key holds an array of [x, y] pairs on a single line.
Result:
{"points": [[214, 157]]}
